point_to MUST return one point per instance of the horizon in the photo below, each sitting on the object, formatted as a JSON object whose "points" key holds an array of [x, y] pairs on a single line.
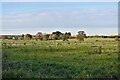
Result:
{"points": [[95, 18], [61, 32]]}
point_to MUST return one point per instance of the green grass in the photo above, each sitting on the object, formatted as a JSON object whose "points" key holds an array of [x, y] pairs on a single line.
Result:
{"points": [[60, 59]]}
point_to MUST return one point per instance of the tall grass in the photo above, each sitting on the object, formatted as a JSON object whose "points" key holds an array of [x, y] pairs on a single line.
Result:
{"points": [[59, 59]]}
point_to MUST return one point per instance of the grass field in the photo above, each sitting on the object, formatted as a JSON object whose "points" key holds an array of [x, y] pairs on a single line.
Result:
{"points": [[93, 58]]}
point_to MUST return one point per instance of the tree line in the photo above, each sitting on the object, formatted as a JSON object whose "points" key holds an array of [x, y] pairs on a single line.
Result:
{"points": [[54, 36], [57, 35]]}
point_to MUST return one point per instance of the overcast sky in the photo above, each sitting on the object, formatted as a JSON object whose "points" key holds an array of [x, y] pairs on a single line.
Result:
{"points": [[31, 17]]}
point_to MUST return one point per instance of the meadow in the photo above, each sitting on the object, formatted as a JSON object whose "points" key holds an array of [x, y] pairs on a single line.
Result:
{"points": [[93, 58]]}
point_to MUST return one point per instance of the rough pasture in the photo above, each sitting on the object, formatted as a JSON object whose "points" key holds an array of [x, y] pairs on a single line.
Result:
{"points": [[93, 58]]}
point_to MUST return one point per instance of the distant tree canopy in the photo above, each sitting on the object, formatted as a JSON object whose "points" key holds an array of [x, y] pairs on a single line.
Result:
{"points": [[27, 36], [52, 36], [4, 37], [66, 36], [57, 35], [39, 36], [81, 35], [46, 36], [22, 36]]}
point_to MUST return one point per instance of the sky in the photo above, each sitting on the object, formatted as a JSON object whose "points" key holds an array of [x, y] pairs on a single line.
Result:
{"points": [[59, 0], [95, 18]]}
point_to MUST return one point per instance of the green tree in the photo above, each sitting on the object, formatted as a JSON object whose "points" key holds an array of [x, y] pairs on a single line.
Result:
{"points": [[39, 35], [66, 36], [46, 36], [57, 34], [80, 36], [27, 36]]}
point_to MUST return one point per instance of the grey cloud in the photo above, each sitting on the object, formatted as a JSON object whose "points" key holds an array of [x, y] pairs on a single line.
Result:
{"points": [[78, 19]]}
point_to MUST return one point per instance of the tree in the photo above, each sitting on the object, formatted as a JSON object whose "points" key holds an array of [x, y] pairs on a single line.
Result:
{"points": [[46, 36], [39, 35], [22, 36], [52, 36], [80, 36], [4, 37], [69, 33], [57, 34], [27, 36], [66, 36]]}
